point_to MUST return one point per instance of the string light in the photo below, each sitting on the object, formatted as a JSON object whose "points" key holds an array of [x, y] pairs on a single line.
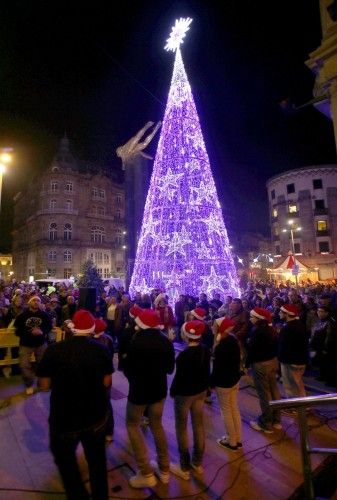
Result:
{"points": [[183, 245]]}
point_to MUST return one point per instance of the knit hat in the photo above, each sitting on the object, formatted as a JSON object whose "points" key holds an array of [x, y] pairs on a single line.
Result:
{"points": [[148, 319], [135, 310], [199, 313], [260, 313], [225, 324], [193, 329], [82, 322], [100, 325], [290, 309]]}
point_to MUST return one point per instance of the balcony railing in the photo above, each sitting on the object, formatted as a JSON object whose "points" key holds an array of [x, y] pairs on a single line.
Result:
{"points": [[57, 211], [325, 232], [320, 211]]}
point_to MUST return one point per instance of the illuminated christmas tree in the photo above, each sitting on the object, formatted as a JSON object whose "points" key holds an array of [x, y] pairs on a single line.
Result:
{"points": [[183, 245]]}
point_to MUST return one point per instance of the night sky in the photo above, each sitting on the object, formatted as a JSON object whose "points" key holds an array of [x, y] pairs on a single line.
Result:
{"points": [[100, 73]]}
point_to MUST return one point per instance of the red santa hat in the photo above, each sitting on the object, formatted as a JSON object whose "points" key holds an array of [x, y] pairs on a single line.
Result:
{"points": [[199, 313], [225, 324], [148, 319], [260, 313], [194, 329], [290, 309], [135, 310], [100, 325], [83, 322]]}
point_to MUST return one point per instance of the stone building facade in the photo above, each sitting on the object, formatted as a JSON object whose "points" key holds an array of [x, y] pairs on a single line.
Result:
{"points": [[68, 214], [304, 200]]}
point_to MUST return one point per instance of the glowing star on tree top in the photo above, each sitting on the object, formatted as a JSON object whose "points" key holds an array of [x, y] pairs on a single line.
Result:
{"points": [[178, 33]]}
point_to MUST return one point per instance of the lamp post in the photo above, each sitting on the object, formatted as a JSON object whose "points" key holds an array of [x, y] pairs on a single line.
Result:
{"points": [[5, 158], [291, 229]]}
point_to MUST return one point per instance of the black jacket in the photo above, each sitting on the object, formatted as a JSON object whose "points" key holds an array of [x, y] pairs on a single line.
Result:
{"points": [[24, 324], [226, 364], [192, 372], [149, 359], [293, 343]]}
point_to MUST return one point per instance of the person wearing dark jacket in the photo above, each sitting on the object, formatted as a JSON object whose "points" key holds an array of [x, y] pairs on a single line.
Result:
{"points": [[32, 326], [78, 372], [149, 359], [188, 388], [225, 378], [261, 355], [292, 351]]}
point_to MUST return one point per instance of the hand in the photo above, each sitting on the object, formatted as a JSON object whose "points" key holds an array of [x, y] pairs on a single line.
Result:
{"points": [[36, 331]]}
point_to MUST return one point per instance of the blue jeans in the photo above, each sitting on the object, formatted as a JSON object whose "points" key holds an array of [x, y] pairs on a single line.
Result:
{"points": [[134, 415], [63, 446], [25, 354], [264, 376], [183, 405]]}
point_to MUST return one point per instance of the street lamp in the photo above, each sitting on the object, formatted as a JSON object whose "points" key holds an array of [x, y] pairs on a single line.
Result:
{"points": [[5, 158], [291, 229]]}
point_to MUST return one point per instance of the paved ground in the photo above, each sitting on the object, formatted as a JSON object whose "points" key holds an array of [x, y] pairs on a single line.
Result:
{"points": [[267, 468]]}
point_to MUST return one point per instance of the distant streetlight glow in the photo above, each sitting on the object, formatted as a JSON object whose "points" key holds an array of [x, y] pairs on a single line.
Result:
{"points": [[5, 158]]}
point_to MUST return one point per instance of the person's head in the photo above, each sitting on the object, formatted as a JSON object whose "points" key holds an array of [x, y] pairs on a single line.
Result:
{"points": [[324, 299], [100, 326], [82, 323], [202, 297], [34, 303], [193, 330], [148, 319], [54, 302], [258, 314], [235, 306], [245, 304], [277, 302], [217, 296], [225, 326], [125, 299], [138, 296], [229, 299], [292, 296], [70, 300], [323, 312], [17, 301], [199, 313], [289, 312]]}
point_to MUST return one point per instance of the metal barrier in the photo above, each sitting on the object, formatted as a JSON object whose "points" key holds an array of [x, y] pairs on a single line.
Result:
{"points": [[301, 404]]}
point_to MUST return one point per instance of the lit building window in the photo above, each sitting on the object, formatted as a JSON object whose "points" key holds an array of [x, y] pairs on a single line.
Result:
{"points": [[67, 256], [52, 205], [54, 186], [52, 255], [106, 258], [53, 231], [275, 212], [322, 225], [67, 272], [97, 234], [292, 208], [106, 273], [67, 233], [69, 187]]}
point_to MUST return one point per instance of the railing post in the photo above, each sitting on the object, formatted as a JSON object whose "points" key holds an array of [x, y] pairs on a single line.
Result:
{"points": [[306, 461]]}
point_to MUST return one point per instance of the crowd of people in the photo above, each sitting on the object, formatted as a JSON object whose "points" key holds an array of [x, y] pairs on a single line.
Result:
{"points": [[275, 332]]}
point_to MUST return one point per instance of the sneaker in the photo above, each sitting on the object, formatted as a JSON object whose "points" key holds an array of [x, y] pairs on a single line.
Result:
{"points": [[257, 427], [109, 438], [278, 426], [141, 481], [225, 444], [178, 471], [198, 469], [164, 477], [225, 438], [29, 390]]}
